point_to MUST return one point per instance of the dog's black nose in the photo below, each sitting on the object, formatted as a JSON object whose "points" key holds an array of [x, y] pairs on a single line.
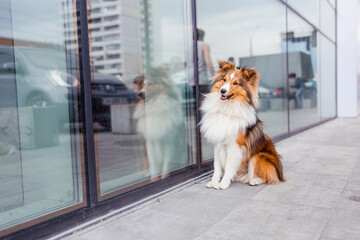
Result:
{"points": [[222, 91]]}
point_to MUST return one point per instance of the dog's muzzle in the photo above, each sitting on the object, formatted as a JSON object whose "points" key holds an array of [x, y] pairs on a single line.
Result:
{"points": [[223, 94]]}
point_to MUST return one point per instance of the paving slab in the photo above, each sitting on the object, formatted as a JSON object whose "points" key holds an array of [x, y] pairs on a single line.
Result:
{"points": [[306, 189], [353, 182], [319, 200], [338, 160], [344, 221], [269, 220]]}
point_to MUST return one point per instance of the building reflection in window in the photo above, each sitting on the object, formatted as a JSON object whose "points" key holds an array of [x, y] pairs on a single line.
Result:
{"points": [[40, 150], [302, 44], [143, 105], [252, 38]]}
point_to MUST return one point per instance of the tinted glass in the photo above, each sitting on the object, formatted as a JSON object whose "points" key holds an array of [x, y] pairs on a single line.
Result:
{"points": [[40, 145], [327, 19], [308, 8], [143, 106], [302, 42], [327, 75], [254, 37]]}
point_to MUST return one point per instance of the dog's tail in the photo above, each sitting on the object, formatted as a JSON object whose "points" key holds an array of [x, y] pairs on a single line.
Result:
{"points": [[268, 167]]}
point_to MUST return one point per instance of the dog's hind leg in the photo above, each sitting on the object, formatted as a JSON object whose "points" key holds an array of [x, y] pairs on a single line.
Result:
{"points": [[262, 170], [242, 177], [254, 179], [243, 172]]}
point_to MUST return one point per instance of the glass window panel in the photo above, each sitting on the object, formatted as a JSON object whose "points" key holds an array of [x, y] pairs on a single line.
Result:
{"points": [[143, 106], [327, 19], [309, 9], [303, 72], [41, 168], [327, 75], [333, 3], [233, 34]]}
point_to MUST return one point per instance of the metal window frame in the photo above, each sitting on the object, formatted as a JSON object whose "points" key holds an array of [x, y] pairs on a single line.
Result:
{"points": [[322, 120], [94, 205]]}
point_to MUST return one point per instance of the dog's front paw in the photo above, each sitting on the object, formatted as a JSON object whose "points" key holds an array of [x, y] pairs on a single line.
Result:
{"points": [[212, 184], [224, 185]]}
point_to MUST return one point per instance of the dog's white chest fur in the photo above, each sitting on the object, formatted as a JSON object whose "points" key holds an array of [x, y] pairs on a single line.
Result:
{"points": [[159, 117], [223, 119]]}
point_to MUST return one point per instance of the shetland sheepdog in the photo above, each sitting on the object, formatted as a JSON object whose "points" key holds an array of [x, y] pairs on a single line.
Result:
{"points": [[160, 122], [242, 152]]}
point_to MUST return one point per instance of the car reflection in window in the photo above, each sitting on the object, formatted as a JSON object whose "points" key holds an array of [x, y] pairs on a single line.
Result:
{"points": [[48, 78]]}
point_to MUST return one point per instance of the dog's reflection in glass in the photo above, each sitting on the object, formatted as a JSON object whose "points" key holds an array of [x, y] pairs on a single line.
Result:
{"points": [[161, 123]]}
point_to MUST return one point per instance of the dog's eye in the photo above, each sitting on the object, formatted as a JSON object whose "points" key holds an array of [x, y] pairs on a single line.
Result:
{"points": [[224, 80], [236, 83]]}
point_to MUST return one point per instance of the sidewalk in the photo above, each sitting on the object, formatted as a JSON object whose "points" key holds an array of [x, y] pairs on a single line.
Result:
{"points": [[321, 199]]}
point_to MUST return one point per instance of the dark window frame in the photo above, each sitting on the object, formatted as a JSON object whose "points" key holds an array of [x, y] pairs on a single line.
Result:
{"points": [[95, 205]]}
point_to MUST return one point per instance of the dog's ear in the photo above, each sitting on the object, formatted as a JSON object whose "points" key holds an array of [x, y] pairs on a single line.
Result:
{"points": [[250, 74], [221, 64], [225, 66], [252, 77]]}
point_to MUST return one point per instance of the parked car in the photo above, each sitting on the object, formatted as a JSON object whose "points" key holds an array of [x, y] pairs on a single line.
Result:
{"points": [[108, 90], [44, 77]]}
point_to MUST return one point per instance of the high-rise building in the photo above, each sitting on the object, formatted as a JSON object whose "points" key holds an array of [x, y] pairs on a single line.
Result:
{"points": [[115, 34]]}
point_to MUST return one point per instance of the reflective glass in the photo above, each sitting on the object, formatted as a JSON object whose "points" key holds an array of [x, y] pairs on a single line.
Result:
{"points": [[302, 43], [309, 9], [333, 3], [327, 19], [327, 76], [254, 37], [41, 170], [143, 105]]}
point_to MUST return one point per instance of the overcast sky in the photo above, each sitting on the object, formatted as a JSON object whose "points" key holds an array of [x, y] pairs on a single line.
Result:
{"points": [[35, 20], [233, 24], [230, 26]]}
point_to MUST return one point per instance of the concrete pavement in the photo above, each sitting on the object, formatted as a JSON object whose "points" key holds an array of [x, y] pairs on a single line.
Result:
{"points": [[321, 199]]}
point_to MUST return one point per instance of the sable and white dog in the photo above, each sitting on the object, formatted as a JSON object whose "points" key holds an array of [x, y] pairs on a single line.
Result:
{"points": [[242, 152], [160, 121]]}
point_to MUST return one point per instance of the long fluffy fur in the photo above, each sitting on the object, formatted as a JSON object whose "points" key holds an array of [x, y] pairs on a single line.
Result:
{"points": [[222, 120], [242, 151], [161, 115], [160, 122]]}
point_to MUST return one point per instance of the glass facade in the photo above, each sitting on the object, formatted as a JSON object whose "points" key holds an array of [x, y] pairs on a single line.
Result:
{"points": [[143, 104], [327, 75], [40, 143], [293, 49], [255, 38], [304, 81], [99, 98], [309, 9]]}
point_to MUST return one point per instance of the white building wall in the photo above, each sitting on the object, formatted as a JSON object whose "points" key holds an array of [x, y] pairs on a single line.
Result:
{"points": [[358, 57], [347, 13]]}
